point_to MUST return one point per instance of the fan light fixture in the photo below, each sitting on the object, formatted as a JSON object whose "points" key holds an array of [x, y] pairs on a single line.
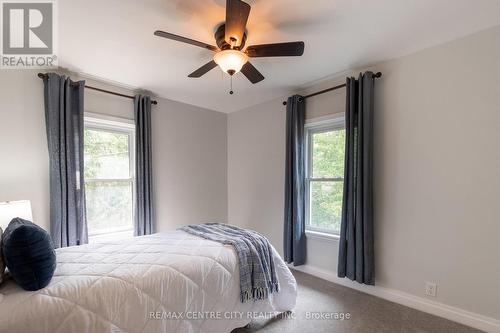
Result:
{"points": [[230, 61], [230, 38]]}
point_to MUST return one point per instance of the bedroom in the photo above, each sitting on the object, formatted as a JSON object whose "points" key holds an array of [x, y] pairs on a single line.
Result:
{"points": [[211, 156]]}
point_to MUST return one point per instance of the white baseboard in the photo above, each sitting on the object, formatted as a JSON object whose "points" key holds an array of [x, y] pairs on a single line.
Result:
{"points": [[439, 309]]}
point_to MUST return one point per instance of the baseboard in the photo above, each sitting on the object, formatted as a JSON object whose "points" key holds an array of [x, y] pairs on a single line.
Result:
{"points": [[439, 309]]}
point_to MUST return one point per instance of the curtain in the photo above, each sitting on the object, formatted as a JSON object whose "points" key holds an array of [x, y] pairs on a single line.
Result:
{"points": [[356, 250], [294, 229], [143, 219], [64, 124]]}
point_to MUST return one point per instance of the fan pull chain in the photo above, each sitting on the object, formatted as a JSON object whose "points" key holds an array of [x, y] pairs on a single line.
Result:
{"points": [[231, 91]]}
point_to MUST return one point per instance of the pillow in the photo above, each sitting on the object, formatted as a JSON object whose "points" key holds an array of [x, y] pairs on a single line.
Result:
{"points": [[29, 254], [2, 264]]}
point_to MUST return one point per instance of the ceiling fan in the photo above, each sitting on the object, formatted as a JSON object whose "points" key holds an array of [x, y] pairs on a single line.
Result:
{"points": [[230, 38]]}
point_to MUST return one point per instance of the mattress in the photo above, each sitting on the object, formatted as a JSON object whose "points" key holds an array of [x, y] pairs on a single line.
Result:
{"points": [[166, 282]]}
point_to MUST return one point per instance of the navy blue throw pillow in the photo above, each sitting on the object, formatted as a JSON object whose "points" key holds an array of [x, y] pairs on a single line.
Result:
{"points": [[29, 254]]}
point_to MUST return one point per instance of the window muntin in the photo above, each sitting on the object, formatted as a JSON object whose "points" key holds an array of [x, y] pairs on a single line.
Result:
{"points": [[324, 175], [109, 178]]}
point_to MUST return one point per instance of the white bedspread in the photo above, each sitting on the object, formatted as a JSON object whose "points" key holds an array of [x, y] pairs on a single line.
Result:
{"points": [[166, 282]]}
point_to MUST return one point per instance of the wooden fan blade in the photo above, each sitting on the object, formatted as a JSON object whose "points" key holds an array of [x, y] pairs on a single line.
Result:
{"points": [[252, 73], [185, 40], [237, 13], [291, 49], [203, 69]]}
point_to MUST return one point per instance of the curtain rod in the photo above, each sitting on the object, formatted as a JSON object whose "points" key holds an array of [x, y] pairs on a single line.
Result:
{"points": [[376, 75], [42, 76]]}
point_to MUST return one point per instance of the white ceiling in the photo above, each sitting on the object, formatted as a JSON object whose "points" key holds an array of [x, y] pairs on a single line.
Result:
{"points": [[113, 40]]}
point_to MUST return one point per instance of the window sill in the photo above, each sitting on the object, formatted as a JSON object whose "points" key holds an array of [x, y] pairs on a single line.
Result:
{"points": [[322, 236]]}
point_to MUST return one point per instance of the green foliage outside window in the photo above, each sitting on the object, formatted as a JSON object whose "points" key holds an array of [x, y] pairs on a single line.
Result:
{"points": [[326, 195], [108, 188], [101, 150]]}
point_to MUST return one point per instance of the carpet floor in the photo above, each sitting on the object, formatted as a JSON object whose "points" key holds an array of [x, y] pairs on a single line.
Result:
{"points": [[366, 313]]}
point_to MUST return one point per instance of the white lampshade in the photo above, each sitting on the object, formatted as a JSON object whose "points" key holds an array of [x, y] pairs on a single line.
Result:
{"points": [[230, 60], [12, 209]]}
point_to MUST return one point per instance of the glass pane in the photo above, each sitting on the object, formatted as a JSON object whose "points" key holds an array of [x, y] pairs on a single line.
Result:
{"points": [[328, 154], [109, 206], [326, 205], [106, 155]]}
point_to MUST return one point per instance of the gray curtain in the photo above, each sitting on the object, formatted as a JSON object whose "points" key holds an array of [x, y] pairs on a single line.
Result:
{"points": [[143, 218], [356, 250], [294, 230], [64, 123]]}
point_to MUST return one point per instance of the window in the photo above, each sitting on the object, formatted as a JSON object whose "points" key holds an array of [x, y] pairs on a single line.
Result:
{"points": [[109, 178], [324, 175]]}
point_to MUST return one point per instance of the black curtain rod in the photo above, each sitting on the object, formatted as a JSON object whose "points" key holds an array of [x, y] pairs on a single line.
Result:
{"points": [[43, 76], [376, 75]]}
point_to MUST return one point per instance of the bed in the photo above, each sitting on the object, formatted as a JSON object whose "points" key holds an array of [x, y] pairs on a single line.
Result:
{"points": [[166, 282]]}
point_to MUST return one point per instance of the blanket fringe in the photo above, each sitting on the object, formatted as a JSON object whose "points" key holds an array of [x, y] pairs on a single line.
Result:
{"points": [[259, 293], [255, 257]]}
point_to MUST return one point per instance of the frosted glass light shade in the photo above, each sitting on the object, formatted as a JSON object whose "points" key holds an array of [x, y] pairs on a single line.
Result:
{"points": [[12, 209], [230, 60]]}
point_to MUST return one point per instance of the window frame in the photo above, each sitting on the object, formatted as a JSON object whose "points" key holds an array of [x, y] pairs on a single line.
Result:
{"points": [[111, 124], [311, 128]]}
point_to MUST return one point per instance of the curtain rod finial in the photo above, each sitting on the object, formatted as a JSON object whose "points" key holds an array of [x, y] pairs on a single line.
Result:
{"points": [[284, 102], [377, 75]]}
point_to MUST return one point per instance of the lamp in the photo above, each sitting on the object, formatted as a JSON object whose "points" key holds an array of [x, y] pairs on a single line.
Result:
{"points": [[230, 61], [12, 209]]}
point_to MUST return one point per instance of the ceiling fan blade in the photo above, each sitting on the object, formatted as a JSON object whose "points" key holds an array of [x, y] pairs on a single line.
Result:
{"points": [[203, 69], [291, 49], [252, 73], [237, 13], [178, 38]]}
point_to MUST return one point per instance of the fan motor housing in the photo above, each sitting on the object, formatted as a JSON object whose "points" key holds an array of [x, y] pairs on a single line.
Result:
{"points": [[220, 35]]}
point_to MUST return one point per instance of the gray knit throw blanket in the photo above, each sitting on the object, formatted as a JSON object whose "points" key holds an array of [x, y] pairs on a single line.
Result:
{"points": [[255, 257]]}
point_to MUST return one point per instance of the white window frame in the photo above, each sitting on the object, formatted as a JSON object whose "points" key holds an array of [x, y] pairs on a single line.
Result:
{"points": [[115, 125], [313, 127]]}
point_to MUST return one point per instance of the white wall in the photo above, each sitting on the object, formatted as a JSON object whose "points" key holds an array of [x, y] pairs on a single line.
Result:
{"points": [[256, 155], [436, 172], [190, 165], [24, 165], [189, 147]]}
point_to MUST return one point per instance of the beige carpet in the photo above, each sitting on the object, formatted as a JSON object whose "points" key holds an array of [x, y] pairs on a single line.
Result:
{"points": [[368, 313]]}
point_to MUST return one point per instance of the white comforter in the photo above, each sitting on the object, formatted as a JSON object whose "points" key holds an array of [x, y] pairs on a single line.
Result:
{"points": [[166, 282]]}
